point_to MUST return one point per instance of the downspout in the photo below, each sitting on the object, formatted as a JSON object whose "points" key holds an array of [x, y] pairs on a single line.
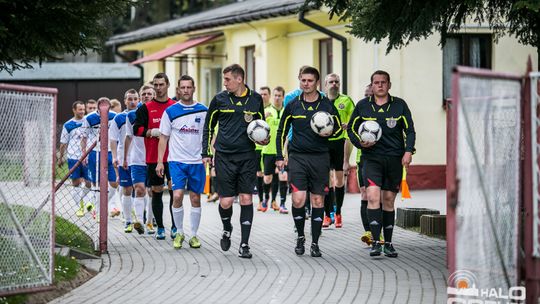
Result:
{"points": [[140, 67], [335, 36]]}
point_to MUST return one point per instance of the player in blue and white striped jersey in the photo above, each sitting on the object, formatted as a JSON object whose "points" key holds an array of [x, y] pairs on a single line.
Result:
{"points": [[182, 128], [135, 159], [91, 128], [117, 135], [70, 140]]}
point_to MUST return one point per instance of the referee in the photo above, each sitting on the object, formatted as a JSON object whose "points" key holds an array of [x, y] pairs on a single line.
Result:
{"points": [[383, 160], [309, 161], [235, 160]]}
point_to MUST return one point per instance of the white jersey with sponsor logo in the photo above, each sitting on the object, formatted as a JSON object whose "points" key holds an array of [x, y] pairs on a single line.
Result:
{"points": [[71, 135], [184, 125], [117, 132], [90, 128]]}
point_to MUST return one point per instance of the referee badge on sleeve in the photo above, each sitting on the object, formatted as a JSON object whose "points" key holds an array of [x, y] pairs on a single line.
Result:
{"points": [[391, 122], [248, 117]]}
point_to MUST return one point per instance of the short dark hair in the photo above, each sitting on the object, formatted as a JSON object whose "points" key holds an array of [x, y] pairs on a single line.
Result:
{"points": [[235, 69], [300, 72], [161, 76], [76, 103], [130, 91], [91, 101], [380, 72], [281, 89], [186, 77], [313, 71], [266, 88]]}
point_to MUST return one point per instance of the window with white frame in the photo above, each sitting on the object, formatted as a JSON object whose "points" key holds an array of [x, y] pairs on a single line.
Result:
{"points": [[472, 50]]}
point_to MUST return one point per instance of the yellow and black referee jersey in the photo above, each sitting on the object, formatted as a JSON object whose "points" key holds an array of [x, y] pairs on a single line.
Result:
{"points": [[298, 114], [395, 120], [232, 114]]}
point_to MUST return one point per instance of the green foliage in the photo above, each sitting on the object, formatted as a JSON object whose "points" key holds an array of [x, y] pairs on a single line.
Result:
{"points": [[65, 268], [68, 234], [405, 21], [39, 30]]}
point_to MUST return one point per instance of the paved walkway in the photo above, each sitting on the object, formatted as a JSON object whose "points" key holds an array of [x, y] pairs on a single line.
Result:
{"points": [[140, 269]]}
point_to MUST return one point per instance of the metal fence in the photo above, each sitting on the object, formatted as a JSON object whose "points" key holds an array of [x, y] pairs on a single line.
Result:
{"points": [[27, 149]]}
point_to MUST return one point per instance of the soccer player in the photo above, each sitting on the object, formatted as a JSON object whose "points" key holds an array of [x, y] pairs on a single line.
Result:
{"points": [[309, 162], [366, 237], [235, 158], [117, 135], [263, 203], [147, 122], [273, 114], [70, 139], [384, 159], [340, 151], [116, 106], [90, 106], [135, 161], [91, 129], [181, 127]]}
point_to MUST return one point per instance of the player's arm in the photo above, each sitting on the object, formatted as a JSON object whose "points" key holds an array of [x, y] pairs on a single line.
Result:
{"points": [[165, 130], [408, 129], [410, 136], [210, 123], [64, 140], [113, 141], [353, 125], [140, 125], [84, 137], [337, 123], [283, 130]]}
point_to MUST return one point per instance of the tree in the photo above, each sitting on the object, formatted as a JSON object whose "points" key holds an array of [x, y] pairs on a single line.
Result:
{"points": [[405, 21], [38, 30]]}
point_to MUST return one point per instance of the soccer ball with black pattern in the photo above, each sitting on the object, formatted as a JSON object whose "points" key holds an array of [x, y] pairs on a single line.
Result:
{"points": [[322, 123], [370, 131], [258, 130]]}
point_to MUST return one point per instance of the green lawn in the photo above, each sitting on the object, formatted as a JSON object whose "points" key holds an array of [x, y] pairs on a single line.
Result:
{"points": [[15, 264]]}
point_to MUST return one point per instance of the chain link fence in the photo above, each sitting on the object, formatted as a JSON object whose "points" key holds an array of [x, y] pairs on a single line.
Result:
{"points": [[486, 128], [26, 187]]}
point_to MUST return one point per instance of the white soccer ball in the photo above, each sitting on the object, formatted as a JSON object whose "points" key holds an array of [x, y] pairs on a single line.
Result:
{"points": [[258, 130], [370, 131], [322, 123]]}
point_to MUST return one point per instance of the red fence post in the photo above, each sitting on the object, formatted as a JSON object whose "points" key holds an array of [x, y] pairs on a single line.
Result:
{"points": [[104, 106]]}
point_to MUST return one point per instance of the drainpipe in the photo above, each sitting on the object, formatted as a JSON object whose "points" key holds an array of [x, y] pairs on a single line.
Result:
{"points": [[140, 67], [335, 36]]}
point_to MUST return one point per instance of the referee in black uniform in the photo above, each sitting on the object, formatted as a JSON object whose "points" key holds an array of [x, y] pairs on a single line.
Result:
{"points": [[384, 160], [235, 159], [309, 161]]}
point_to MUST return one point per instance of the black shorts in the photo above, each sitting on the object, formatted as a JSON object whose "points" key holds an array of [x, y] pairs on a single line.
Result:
{"points": [[269, 162], [153, 178], [337, 150], [235, 173], [309, 172], [383, 171], [359, 176], [259, 160]]}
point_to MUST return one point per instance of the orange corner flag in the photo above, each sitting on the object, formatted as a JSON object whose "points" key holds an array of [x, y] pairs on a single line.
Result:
{"points": [[207, 181], [404, 186]]}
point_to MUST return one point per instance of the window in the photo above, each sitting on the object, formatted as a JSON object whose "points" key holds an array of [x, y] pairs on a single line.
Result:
{"points": [[466, 50], [325, 57], [213, 83], [249, 55], [183, 65]]}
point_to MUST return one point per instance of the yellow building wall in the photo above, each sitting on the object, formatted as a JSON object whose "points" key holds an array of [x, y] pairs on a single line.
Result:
{"points": [[283, 45]]}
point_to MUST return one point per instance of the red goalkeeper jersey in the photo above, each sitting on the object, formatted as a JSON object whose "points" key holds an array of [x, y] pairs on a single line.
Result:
{"points": [[148, 116]]}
